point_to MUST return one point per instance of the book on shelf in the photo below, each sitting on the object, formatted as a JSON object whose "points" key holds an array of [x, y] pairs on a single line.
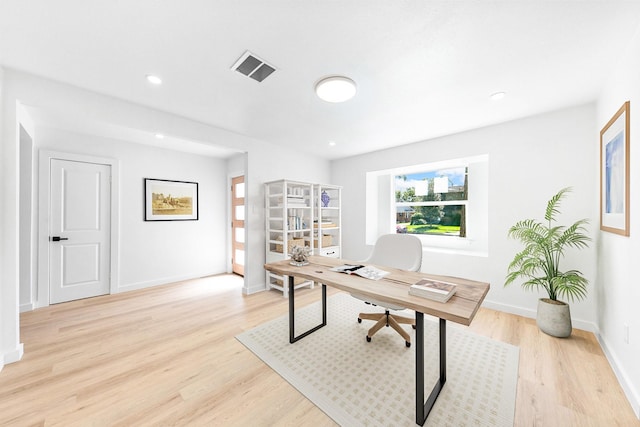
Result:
{"points": [[433, 289], [366, 271]]}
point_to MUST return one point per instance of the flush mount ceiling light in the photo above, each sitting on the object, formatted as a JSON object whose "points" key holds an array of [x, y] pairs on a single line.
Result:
{"points": [[154, 79], [497, 96], [336, 89], [159, 136]]}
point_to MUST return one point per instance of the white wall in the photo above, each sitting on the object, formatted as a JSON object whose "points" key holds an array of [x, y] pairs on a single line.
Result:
{"points": [[156, 252], [5, 307], [529, 161], [10, 347], [26, 224], [618, 289]]}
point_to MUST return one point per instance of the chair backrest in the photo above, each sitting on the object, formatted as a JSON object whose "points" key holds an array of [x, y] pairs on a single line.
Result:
{"points": [[402, 251]]}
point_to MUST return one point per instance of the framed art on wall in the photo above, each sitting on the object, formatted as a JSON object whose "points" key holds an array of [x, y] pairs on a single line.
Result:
{"points": [[166, 200], [614, 173]]}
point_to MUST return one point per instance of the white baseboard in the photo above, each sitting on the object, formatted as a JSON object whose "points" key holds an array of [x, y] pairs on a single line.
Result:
{"points": [[13, 355], [162, 281], [633, 396], [26, 307], [254, 289], [526, 312]]}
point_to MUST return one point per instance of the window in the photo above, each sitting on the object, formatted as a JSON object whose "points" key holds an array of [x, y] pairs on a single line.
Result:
{"points": [[444, 203], [432, 202]]}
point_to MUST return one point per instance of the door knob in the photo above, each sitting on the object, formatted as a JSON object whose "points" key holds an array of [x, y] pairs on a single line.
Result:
{"points": [[58, 238]]}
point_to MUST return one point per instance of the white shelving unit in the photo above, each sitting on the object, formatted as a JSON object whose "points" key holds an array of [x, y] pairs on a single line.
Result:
{"points": [[289, 214], [327, 224]]}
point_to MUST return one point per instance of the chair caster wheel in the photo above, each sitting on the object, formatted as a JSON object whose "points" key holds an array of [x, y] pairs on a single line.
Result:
{"points": [[413, 326], [359, 320], [368, 338], [407, 343]]}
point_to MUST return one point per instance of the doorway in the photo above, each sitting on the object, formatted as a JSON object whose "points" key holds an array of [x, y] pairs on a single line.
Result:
{"points": [[237, 224]]}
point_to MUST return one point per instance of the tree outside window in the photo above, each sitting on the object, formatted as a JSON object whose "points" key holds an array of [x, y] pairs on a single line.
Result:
{"points": [[432, 202]]}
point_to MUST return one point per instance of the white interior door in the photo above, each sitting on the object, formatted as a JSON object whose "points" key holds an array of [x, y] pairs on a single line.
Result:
{"points": [[79, 230]]}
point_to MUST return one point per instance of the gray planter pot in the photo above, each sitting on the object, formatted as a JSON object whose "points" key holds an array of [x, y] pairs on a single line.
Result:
{"points": [[554, 318]]}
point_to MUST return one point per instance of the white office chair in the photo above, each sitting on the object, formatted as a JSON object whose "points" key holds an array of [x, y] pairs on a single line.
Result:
{"points": [[402, 251]]}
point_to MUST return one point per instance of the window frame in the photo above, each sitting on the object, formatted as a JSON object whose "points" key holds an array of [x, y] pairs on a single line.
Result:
{"points": [[460, 202], [381, 205]]}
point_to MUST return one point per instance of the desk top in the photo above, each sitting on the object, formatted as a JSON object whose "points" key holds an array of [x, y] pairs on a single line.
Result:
{"points": [[393, 288]]}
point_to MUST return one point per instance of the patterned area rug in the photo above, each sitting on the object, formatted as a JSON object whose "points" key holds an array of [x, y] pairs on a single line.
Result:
{"points": [[373, 384]]}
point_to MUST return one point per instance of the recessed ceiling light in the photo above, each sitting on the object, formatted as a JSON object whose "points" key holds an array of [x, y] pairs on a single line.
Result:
{"points": [[332, 143], [159, 136], [154, 79], [336, 89], [497, 96]]}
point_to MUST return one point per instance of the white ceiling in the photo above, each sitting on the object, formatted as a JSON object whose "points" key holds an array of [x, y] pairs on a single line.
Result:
{"points": [[423, 68]]}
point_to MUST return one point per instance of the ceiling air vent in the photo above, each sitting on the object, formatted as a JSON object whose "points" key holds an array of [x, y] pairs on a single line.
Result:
{"points": [[252, 66]]}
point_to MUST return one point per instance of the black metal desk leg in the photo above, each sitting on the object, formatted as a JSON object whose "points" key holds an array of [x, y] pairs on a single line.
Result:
{"points": [[292, 318], [423, 408]]}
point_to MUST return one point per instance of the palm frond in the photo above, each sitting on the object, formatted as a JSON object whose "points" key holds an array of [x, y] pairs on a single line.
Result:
{"points": [[528, 230], [552, 205], [574, 235], [571, 285], [535, 284]]}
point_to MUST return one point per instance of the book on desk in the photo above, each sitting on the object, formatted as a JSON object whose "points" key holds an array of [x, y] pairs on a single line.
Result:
{"points": [[433, 289], [366, 271]]}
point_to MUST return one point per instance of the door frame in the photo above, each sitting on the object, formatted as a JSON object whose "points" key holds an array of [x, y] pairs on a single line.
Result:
{"points": [[44, 196], [231, 217]]}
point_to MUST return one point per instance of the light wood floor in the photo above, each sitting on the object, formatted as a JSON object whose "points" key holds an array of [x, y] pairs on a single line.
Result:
{"points": [[167, 356]]}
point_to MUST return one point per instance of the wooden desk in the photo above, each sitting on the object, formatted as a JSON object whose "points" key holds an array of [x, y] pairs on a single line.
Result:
{"points": [[393, 288]]}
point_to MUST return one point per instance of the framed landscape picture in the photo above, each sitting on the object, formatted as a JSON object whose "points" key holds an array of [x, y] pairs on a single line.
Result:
{"points": [[614, 173], [166, 200]]}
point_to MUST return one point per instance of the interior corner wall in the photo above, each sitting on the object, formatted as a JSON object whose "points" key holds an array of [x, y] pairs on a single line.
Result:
{"points": [[3, 285], [157, 252], [10, 347], [267, 162], [617, 286], [27, 220], [529, 160]]}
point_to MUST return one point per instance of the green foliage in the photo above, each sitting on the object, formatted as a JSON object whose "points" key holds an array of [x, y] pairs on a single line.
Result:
{"points": [[544, 246], [436, 229], [418, 219], [431, 214]]}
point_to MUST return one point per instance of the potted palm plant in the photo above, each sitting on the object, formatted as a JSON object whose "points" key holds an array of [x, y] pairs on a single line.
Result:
{"points": [[538, 263]]}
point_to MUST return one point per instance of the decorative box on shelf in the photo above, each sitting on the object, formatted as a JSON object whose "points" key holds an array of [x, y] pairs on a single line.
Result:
{"points": [[325, 240], [290, 243]]}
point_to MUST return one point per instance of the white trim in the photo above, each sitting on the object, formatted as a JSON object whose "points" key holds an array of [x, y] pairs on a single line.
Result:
{"points": [[254, 289], [26, 307], [44, 171], [12, 356], [454, 251], [162, 281], [530, 313], [632, 394]]}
